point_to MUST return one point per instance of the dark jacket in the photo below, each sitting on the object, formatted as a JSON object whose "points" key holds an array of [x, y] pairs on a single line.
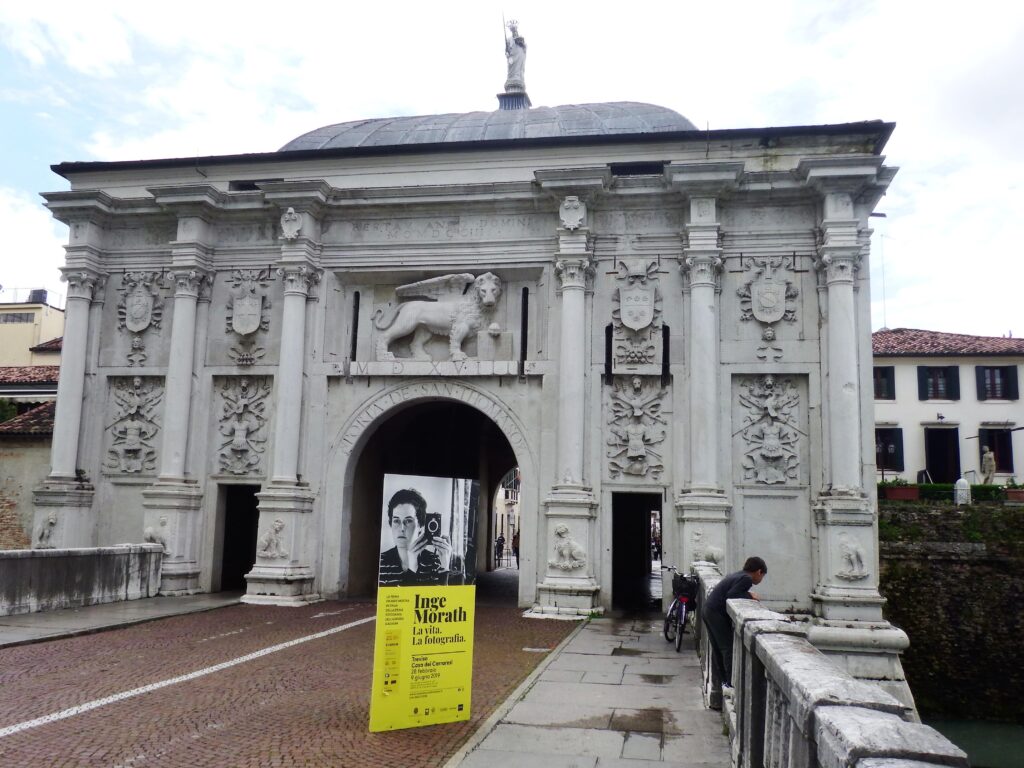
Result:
{"points": [[735, 585]]}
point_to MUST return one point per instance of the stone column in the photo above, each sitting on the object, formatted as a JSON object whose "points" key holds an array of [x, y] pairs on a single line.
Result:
{"points": [[847, 580], [63, 515], [702, 507], [173, 502], [569, 586], [283, 573]]}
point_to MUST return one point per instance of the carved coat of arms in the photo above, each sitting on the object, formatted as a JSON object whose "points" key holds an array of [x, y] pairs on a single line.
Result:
{"points": [[636, 306], [247, 314], [768, 300], [138, 306]]}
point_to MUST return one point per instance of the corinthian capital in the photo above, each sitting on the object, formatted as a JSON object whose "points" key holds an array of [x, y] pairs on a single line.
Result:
{"points": [[838, 267], [572, 273], [298, 278], [189, 282], [702, 269], [82, 283]]}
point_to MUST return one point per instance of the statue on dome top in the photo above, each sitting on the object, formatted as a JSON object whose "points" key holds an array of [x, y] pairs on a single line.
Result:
{"points": [[515, 52]]}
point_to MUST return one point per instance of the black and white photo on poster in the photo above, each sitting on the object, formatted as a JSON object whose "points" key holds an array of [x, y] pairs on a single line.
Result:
{"points": [[427, 531]]}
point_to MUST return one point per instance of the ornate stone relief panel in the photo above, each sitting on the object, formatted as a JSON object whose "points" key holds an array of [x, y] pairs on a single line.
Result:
{"points": [[569, 554], [454, 306], [768, 297], [242, 423], [852, 558], [636, 428], [248, 314], [769, 434], [636, 318], [140, 307], [271, 544], [44, 539], [133, 431]]}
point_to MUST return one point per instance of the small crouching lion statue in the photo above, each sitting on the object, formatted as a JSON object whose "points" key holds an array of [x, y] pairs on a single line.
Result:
{"points": [[452, 305]]}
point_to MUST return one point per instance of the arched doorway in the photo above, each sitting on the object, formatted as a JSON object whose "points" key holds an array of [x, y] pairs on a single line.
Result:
{"points": [[438, 438]]}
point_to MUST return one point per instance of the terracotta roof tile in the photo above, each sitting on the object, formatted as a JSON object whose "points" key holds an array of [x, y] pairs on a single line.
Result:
{"points": [[53, 345], [29, 374], [38, 421], [913, 342]]}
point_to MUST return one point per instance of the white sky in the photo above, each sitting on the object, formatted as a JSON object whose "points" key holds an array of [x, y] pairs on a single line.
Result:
{"points": [[110, 80]]}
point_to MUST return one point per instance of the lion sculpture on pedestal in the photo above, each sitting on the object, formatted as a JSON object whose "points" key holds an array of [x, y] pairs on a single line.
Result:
{"points": [[452, 305]]}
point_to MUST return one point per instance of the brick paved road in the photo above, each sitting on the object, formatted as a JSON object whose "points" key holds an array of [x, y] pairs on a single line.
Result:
{"points": [[302, 706]]}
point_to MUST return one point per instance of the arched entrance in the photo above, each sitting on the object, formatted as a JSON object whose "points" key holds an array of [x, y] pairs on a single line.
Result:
{"points": [[439, 438]]}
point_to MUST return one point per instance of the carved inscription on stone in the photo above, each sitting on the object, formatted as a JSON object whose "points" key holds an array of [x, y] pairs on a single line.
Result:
{"points": [[248, 314], [242, 424], [569, 555], [133, 431], [635, 428], [636, 315], [139, 308], [456, 306], [768, 297], [770, 430]]}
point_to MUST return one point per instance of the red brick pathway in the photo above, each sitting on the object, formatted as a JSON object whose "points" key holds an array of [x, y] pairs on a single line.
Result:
{"points": [[303, 706]]}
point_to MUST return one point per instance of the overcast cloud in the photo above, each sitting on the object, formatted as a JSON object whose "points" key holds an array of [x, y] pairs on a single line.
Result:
{"points": [[128, 80]]}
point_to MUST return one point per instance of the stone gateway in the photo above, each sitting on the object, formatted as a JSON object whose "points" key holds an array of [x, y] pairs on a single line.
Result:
{"points": [[635, 314]]}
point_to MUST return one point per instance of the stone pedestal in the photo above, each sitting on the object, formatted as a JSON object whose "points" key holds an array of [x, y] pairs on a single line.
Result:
{"points": [[173, 515], [282, 575], [63, 516], [568, 587], [847, 588], [703, 520]]}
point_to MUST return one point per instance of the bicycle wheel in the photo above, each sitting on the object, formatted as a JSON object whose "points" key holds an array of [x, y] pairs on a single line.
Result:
{"points": [[681, 627], [671, 620]]}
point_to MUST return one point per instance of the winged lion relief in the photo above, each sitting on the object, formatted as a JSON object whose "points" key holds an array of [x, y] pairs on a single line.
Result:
{"points": [[456, 306]]}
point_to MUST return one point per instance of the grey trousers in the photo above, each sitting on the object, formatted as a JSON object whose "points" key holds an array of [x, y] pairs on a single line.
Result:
{"points": [[720, 636]]}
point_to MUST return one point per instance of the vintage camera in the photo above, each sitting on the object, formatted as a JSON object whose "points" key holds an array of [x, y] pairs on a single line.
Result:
{"points": [[433, 525]]}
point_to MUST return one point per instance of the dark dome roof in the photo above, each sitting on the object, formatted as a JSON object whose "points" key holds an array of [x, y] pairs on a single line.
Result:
{"points": [[619, 117]]}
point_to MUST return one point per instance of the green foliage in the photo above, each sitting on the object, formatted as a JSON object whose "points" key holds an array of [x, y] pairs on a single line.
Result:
{"points": [[987, 493], [893, 481], [936, 491], [7, 409]]}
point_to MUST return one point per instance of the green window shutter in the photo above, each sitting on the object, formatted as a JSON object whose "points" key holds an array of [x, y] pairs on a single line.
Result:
{"points": [[953, 382], [922, 382], [979, 377], [1012, 393]]}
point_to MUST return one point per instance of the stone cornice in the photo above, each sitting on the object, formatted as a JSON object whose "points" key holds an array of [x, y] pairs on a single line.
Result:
{"points": [[202, 200], [852, 174], [304, 195], [706, 179], [584, 183]]}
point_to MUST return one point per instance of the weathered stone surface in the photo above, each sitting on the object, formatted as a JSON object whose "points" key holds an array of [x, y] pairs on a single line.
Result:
{"points": [[846, 735]]}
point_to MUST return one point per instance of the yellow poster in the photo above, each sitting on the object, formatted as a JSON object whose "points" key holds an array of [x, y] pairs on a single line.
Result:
{"points": [[423, 656]]}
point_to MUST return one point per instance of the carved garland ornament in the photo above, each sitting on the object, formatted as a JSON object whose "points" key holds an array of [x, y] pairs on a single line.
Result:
{"points": [[140, 307], [243, 419], [132, 433], [770, 430], [634, 428], [636, 315], [248, 312]]}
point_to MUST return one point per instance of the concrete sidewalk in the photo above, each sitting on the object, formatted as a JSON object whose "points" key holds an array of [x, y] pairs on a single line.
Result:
{"points": [[614, 694], [48, 625]]}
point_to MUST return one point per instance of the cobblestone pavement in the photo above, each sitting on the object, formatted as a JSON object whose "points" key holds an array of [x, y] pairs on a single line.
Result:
{"points": [[302, 706]]}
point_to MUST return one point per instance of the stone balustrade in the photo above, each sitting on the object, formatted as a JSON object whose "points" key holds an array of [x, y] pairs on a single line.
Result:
{"points": [[791, 707], [47, 579]]}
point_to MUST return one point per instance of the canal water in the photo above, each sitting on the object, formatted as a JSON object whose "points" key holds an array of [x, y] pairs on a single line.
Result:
{"points": [[988, 745]]}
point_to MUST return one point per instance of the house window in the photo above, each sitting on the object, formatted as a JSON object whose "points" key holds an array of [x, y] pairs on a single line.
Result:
{"points": [[938, 382], [996, 382], [885, 382], [18, 317], [889, 449], [1001, 443]]}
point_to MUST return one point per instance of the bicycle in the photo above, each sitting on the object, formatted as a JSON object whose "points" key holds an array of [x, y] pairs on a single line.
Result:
{"points": [[684, 596]]}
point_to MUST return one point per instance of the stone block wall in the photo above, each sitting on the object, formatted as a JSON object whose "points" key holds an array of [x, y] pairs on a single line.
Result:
{"points": [[954, 582], [47, 579], [24, 463]]}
